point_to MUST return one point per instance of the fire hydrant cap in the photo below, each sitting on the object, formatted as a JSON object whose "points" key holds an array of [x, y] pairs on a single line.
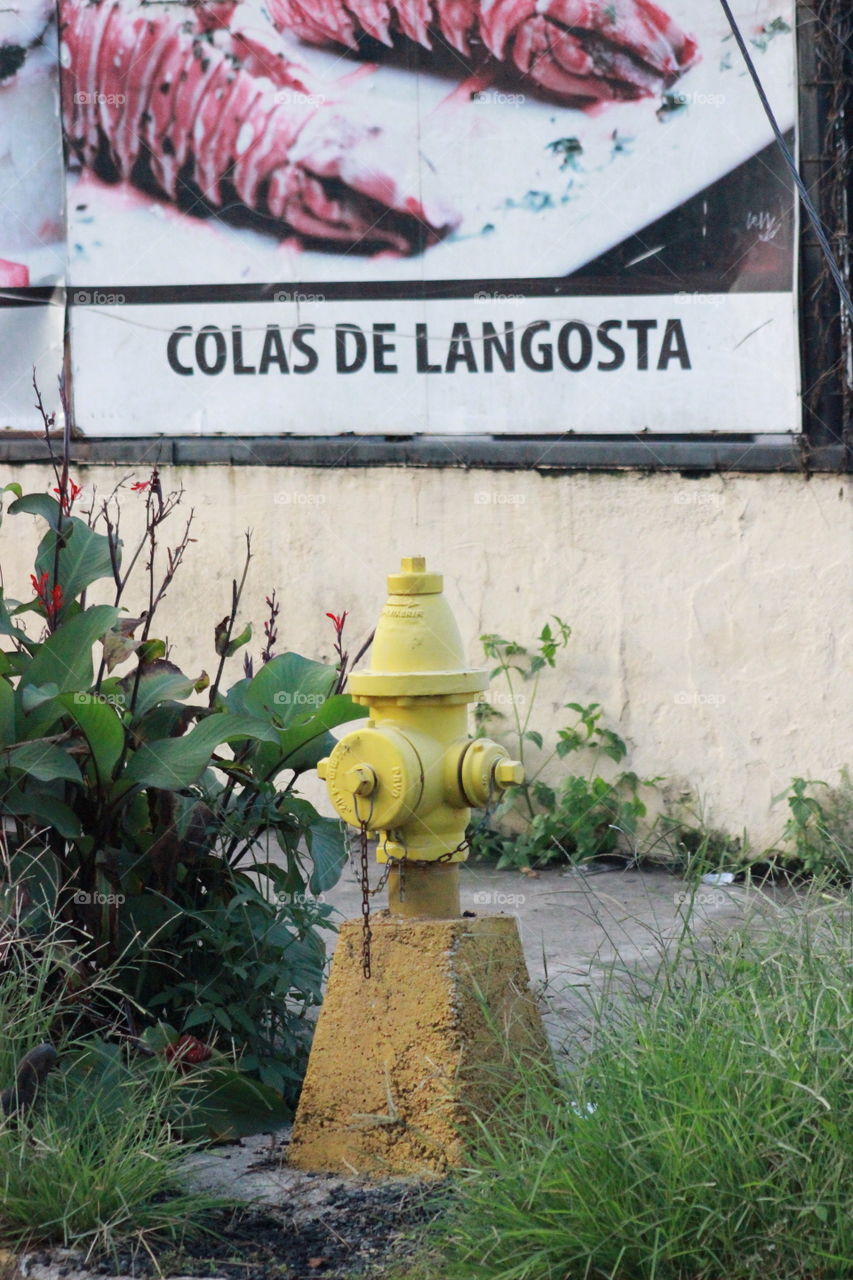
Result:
{"points": [[417, 650], [413, 579]]}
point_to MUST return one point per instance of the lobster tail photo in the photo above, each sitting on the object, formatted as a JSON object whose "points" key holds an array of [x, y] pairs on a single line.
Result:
{"points": [[572, 49], [173, 103]]}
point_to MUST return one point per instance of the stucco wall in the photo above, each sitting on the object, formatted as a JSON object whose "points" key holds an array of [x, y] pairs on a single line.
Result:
{"points": [[712, 617]]}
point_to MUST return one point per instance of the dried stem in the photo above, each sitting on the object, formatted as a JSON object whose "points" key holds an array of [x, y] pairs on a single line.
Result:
{"points": [[226, 627]]}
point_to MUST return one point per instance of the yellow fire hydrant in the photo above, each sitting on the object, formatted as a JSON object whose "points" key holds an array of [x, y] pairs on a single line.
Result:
{"points": [[413, 773], [401, 1060]]}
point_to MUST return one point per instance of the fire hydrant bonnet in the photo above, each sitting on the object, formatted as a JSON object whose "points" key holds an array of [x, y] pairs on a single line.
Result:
{"points": [[417, 650]]}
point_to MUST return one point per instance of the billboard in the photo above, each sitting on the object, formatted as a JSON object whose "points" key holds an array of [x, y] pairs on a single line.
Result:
{"points": [[32, 220], [505, 217]]}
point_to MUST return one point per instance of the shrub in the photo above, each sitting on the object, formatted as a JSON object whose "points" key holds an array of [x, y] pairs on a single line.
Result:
{"points": [[137, 814]]}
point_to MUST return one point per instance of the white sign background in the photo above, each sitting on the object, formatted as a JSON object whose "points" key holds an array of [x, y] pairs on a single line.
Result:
{"points": [[741, 350]]}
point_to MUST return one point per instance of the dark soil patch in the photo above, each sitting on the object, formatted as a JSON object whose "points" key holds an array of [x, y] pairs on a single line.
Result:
{"points": [[360, 1230]]}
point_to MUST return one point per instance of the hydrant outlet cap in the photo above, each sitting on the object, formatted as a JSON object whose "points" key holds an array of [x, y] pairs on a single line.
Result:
{"points": [[413, 579]]}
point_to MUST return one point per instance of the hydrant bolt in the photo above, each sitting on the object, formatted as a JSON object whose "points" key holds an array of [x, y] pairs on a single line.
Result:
{"points": [[509, 773], [361, 780]]}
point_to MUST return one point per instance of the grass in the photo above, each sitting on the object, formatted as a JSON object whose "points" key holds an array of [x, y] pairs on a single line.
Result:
{"points": [[95, 1163], [705, 1135]]}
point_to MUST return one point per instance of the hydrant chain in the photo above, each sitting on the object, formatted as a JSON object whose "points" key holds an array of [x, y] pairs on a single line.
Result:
{"points": [[365, 903]]}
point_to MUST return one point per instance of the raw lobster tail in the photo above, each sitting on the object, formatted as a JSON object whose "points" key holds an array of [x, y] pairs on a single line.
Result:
{"points": [[574, 49], [162, 98]]}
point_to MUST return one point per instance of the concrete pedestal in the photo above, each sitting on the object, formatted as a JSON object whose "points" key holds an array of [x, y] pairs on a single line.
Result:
{"points": [[400, 1060]]}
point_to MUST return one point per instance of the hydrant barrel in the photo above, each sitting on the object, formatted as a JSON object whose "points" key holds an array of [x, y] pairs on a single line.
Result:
{"points": [[412, 773]]}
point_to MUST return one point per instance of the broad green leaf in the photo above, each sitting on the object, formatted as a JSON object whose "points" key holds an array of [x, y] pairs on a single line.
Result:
{"points": [[101, 728], [310, 753], [44, 809], [228, 1105], [37, 504], [335, 710], [159, 686], [534, 736], [35, 694], [165, 720], [84, 557], [286, 688], [42, 761], [174, 763], [7, 626], [301, 746], [327, 843], [65, 658]]}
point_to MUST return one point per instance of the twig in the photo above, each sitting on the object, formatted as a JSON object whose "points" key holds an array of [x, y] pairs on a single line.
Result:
{"points": [[226, 627]]}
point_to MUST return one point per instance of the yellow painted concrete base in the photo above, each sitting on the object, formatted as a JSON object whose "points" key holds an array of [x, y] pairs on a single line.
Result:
{"points": [[400, 1060]]}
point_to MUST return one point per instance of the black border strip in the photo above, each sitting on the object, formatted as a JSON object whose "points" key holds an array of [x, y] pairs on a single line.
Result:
{"points": [[387, 291], [504, 453]]}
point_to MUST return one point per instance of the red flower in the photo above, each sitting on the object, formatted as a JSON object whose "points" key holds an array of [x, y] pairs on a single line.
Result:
{"points": [[66, 498], [188, 1051], [51, 600], [139, 486], [338, 620]]}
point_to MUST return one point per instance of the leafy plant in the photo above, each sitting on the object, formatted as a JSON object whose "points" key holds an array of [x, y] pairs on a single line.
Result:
{"points": [[140, 816], [818, 835], [584, 816]]}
